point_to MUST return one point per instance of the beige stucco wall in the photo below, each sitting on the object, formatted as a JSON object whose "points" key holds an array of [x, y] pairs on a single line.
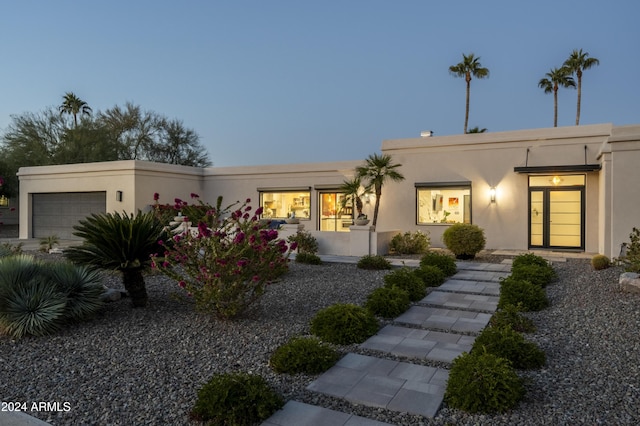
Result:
{"points": [[487, 160], [138, 181]]}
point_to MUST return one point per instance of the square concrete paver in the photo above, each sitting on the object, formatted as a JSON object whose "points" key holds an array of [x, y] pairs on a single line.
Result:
{"points": [[376, 382], [297, 413], [445, 319], [416, 343], [477, 275], [476, 287], [478, 302]]}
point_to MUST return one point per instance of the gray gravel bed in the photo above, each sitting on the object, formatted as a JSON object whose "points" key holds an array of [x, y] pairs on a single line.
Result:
{"points": [[144, 366]]}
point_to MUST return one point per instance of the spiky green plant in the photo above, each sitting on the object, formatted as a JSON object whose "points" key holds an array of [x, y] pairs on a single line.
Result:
{"points": [[122, 242], [29, 303], [82, 287]]}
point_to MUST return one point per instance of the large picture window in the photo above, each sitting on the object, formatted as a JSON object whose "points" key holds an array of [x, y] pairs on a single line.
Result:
{"points": [[336, 211], [443, 202], [281, 204]]}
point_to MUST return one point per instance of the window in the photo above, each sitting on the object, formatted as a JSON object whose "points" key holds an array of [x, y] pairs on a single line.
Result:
{"points": [[285, 203], [443, 202], [336, 211], [4, 201]]}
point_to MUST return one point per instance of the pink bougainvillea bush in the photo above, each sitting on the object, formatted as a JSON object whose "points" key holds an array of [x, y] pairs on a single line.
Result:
{"points": [[225, 264]]}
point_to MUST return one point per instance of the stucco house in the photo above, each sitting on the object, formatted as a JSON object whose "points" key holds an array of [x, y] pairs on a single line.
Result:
{"points": [[570, 188]]}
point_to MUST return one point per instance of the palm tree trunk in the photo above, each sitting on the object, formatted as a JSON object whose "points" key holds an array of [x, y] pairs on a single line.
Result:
{"points": [[466, 113], [579, 100], [555, 108], [133, 281]]}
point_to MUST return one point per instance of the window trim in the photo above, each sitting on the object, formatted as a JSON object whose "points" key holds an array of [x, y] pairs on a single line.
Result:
{"points": [[280, 190], [466, 184]]}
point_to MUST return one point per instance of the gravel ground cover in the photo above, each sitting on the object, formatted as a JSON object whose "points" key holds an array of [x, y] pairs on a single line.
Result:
{"points": [[144, 366]]}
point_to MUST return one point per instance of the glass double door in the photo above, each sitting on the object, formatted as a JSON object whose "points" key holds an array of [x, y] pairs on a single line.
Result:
{"points": [[556, 218]]}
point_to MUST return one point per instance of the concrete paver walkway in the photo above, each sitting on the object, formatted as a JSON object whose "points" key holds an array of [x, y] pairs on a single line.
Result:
{"points": [[438, 328]]}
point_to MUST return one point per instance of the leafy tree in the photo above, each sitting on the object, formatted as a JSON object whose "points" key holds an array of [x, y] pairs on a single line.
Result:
{"points": [[554, 79], [73, 105], [376, 171], [577, 62], [470, 66], [178, 145]]}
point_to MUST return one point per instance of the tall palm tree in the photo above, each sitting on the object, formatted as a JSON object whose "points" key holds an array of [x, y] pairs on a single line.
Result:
{"points": [[553, 80], [376, 170], [470, 66], [73, 105], [477, 130], [578, 62]]}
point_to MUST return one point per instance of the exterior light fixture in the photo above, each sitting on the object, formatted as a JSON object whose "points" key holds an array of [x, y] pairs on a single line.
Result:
{"points": [[118, 195], [492, 194], [556, 180]]}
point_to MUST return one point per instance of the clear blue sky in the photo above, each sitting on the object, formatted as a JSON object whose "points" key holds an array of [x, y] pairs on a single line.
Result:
{"points": [[271, 82]]}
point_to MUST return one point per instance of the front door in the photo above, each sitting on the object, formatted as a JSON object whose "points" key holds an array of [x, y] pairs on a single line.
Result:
{"points": [[556, 212]]}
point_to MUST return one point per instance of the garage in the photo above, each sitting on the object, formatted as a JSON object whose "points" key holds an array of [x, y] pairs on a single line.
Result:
{"points": [[57, 213]]}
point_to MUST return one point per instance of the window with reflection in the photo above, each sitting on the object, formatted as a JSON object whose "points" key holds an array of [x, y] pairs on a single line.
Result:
{"points": [[336, 211], [443, 203], [284, 204]]}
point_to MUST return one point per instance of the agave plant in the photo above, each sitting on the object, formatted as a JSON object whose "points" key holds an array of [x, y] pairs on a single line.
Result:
{"points": [[122, 242], [82, 287], [29, 304]]}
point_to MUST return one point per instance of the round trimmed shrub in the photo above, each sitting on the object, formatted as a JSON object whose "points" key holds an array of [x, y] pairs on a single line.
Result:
{"points": [[464, 240], [600, 261], [409, 243], [303, 355], [374, 262], [535, 274], [236, 399], [530, 297], [344, 324], [308, 258], [306, 242], [388, 302], [510, 316], [446, 263], [405, 279], [529, 259], [507, 343], [483, 382], [431, 276]]}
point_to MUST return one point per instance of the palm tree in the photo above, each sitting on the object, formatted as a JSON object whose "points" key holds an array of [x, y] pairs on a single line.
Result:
{"points": [[477, 130], [376, 171], [73, 105], [551, 83], [578, 62], [352, 190], [123, 243], [470, 66]]}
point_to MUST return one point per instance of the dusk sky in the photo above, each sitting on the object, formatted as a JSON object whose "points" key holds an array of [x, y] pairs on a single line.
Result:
{"points": [[293, 81]]}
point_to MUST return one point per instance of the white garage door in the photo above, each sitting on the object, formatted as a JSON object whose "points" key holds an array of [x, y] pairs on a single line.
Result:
{"points": [[56, 214]]}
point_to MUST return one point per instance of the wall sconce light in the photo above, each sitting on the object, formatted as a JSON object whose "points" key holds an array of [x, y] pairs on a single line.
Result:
{"points": [[118, 195], [492, 194]]}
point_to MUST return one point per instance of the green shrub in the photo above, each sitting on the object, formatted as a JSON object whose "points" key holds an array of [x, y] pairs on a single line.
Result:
{"points": [[431, 276], [374, 261], [48, 243], [306, 242], [303, 355], [631, 258], [510, 316], [236, 399], [344, 324], [388, 302], [409, 243], [464, 240], [29, 303], [483, 382], [535, 274], [8, 249], [405, 279], [506, 343], [531, 297], [82, 287], [529, 259], [308, 258], [443, 261], [600, 261]]}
